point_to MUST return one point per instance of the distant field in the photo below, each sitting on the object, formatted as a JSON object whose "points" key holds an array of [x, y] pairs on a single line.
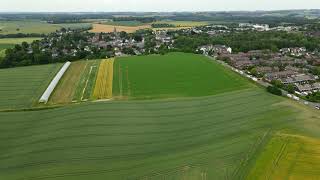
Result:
{"points": [[184, 23], [39, 27], [110, 28], [21, 87], [26, 27], [123, 23], [211, 137], [75, 25], [170, 76], [7, 43], [66, 88], [12, 41]]}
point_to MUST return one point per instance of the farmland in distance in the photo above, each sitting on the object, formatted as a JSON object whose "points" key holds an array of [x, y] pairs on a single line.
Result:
{"points": [[97, 28], [35, 26]]}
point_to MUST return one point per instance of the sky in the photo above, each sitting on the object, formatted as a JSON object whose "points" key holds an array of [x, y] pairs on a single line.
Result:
{"points": [[152, 5]]}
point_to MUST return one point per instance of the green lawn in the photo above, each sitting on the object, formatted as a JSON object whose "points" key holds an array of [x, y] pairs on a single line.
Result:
{"points": [[21, 87], [208, 137], [172, 75]]}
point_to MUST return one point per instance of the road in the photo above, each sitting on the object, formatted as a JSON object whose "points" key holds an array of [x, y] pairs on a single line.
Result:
{"points": [[266, 84]]}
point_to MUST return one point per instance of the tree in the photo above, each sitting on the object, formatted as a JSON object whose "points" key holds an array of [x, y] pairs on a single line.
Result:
{"points": [[137, 37], [123, 34], [274, 90], [290, 88], [277, 83]]}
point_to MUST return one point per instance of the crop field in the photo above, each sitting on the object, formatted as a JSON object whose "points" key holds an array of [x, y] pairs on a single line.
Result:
{"points": [[34, 26], [211, 137], [172, 75], [184, 23], [85, 88], [288, 157], [66, 88], [123, 23], [26, 27], [21, 87], [97, 28], [211, 124], [7, 43], [103, 86], [17, 40]]}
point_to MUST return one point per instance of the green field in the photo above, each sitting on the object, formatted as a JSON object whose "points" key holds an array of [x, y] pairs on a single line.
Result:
{"points": [[7, 43], [172, 75], [35, 26], [216, 125], [191, 138], [17, 40], [21, 87], [288, 156]]}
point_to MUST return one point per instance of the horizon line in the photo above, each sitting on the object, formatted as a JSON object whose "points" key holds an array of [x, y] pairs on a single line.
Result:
{"points": [[178, 11]]}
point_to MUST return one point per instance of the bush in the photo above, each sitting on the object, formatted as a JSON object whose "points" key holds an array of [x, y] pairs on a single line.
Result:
{"points": [[274, 90]]}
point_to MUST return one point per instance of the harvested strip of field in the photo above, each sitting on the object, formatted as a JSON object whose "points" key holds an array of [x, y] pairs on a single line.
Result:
{"points": [[87, 81], [66, 88], [97, 28], [288, 156], [21, 87], [103, 87], [165, 139]]}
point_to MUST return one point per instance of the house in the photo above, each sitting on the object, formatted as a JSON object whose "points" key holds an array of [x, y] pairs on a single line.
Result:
{"points": [[266, 69], [279, 75], [297, 51], [243, 64], [221, 49], [308, 87], [299, 78]]}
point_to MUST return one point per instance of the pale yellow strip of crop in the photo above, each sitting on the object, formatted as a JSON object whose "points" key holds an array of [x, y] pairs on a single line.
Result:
{"points": [[103, 86]]}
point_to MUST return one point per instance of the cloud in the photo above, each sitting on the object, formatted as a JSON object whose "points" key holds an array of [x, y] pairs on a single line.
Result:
{"points": [[154, 5]]}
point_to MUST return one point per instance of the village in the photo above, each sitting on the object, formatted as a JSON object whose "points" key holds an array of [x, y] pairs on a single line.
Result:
{"points": [[290, 67]]}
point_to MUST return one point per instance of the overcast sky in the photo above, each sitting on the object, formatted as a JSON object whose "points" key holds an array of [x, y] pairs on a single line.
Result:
{"points": [[152, 5]]}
